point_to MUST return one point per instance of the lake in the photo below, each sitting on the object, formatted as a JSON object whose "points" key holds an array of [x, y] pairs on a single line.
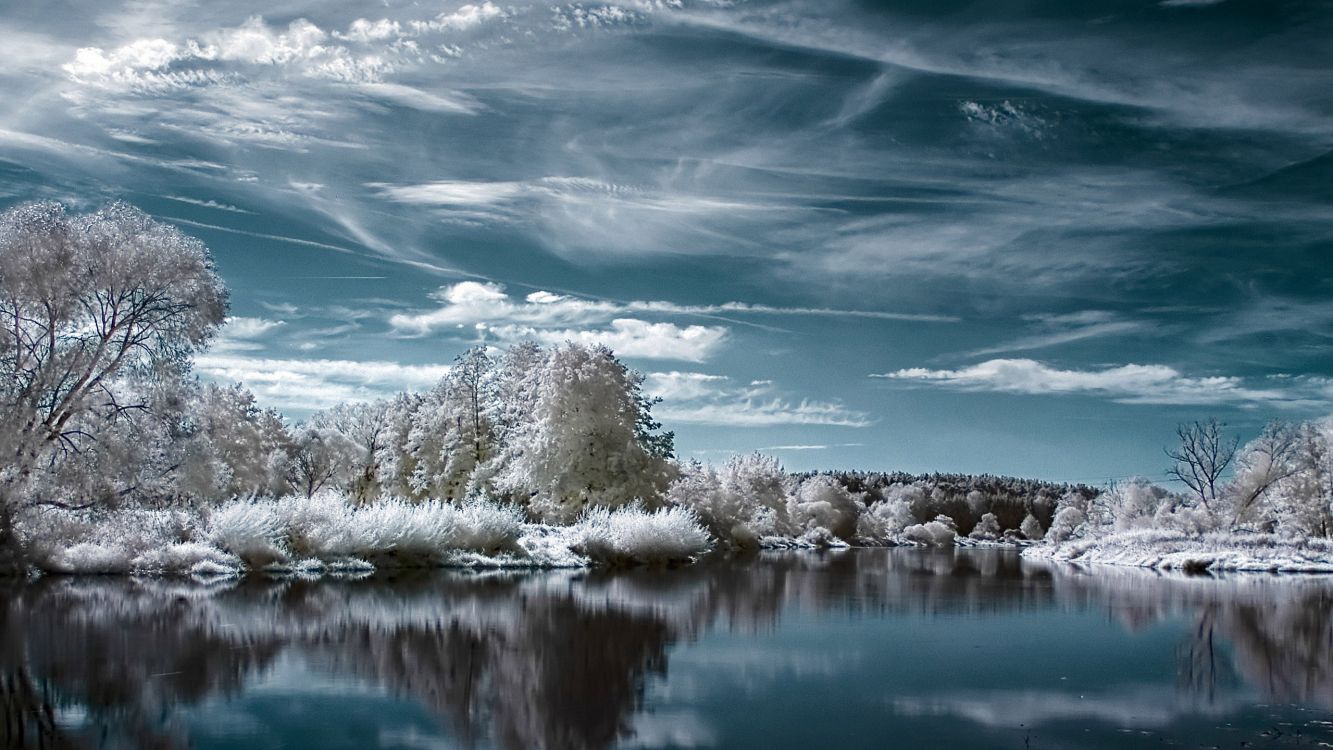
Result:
{"points": [[860, 648]]}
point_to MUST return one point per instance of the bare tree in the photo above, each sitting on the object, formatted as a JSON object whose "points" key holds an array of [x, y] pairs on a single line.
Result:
{"points": [[84, 299], [1201, 458]]}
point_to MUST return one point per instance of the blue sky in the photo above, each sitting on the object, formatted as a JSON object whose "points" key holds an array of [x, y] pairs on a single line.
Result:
{"points": [[1009, 237]]}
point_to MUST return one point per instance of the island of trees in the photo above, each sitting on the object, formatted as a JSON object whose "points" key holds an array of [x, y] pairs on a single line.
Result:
{"points": [[117, 459]]}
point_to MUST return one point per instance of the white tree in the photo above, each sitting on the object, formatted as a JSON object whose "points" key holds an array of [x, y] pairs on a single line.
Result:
{"points": [[233, 447], [1264, 463], [83, 300], [366, 425], [987, 528], [580, 445], [321, 457]]}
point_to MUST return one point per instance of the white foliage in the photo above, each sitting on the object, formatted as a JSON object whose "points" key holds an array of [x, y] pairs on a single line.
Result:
{"points": [[988, 528], [1067, 522], [1031, 527], [823, 502], [740, 502], [634, 535], [250, 529], [938, 533], [885, 520]]}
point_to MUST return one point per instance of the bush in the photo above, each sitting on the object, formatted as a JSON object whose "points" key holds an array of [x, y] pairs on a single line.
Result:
{"points": [[822, 502], [938, 533], [633, 535]]}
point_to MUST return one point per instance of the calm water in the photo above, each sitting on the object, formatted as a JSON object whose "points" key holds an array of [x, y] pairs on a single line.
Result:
{"points": [[867, 648]]}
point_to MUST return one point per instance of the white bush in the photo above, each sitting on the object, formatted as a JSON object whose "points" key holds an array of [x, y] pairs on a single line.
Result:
{"points": [[940, 532], [885, 520], [1031, 528], [821, 502], [1067, 522], [249, 529], [633, 535], [740, 502], [987, 528], [486, 527]]}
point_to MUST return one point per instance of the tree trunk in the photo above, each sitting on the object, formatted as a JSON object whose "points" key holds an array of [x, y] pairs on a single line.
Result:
{"points": [[12, 560]]}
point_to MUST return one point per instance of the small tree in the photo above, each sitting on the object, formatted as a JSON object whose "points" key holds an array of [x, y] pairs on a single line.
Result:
{"points": [[1201, 458]]}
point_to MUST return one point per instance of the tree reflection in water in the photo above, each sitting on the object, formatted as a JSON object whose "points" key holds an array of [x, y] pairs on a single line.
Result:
{"points": [[562, 659]]}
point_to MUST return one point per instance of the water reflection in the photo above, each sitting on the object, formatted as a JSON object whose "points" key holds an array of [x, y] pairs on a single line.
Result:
{"points": [[565, 659]]}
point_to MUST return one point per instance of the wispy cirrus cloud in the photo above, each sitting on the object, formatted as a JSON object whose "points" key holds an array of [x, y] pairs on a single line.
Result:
{"points": [[1128, 384], [1056, 330]]}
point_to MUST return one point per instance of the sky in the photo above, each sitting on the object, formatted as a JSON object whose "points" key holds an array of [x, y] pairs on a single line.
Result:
{"points": [[1024, 238]]}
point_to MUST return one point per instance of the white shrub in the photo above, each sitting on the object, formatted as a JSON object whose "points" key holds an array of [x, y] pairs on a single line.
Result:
{"points": [[1067, 522], [987, 528], [1031, 527], [885, 520], [633, 535], [486, 527], [822, 502], [249, 529], [938, 533]]}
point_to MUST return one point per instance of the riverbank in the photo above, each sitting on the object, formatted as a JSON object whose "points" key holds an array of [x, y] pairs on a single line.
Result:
{"points": [[1176, 550]]}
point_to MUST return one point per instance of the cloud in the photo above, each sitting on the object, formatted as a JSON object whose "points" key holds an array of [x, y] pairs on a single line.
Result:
{"points": [[1055, 330], [309, 384], [238, 333], [810, 447], [699, 398], [682, 386], [471, 302], [629, 337], [1128, 384], [756, 413]]}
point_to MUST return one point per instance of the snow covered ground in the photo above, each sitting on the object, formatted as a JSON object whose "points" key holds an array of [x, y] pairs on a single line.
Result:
{"points": [[1177, 550]]}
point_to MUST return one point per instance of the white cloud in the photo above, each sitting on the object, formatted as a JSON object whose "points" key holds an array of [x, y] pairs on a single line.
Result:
{"points": [[756, 413], [240, 333], [681, 386], [425, 101], [471, 302], [307, 384], [630, 337], [700, 398], [1130, 384]]}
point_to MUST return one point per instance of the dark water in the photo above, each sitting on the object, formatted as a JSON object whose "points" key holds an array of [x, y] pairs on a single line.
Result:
{"points": [[867, 648]]}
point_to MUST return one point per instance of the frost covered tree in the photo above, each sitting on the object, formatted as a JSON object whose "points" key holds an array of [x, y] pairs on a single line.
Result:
{"points": [[366, 425], [1264, 463], [320, 457], [1031, 527], [84, 300], [739, 502], [232, 446], [1132, 504], [580, 445]]}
